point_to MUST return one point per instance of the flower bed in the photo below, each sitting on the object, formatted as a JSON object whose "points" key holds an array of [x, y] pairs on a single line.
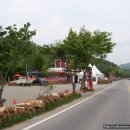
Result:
{"points": [[104, 82], [58, 82]]}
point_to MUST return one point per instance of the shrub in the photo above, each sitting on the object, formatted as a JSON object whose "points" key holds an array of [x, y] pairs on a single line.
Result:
{"points": [[30, 114]]}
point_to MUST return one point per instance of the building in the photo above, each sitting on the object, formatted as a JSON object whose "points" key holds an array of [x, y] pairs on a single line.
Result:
{"points": [[58, 73], [60, 63]]}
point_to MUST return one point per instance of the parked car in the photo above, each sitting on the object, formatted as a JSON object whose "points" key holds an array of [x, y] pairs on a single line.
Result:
{"points": [[39, 81], [23, 81]]}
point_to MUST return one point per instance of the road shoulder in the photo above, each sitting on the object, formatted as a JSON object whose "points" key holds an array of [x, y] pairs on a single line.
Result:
{"points": [[59, 109]]}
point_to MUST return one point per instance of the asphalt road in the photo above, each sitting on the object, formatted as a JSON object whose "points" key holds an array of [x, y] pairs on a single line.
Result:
{"points": [[111, 106], [108, 106]]}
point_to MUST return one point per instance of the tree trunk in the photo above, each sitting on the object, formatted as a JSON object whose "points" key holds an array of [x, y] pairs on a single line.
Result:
{"points": [[83, 80], [73, 81], [1, 91], [1, 84], [1, 75]]}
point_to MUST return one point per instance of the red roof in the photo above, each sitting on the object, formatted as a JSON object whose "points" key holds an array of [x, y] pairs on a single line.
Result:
{"points": [[18, 75]]}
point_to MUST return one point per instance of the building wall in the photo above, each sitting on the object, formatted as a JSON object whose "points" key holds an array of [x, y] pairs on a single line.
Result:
{"points": [[62, 64], [59, 63]]}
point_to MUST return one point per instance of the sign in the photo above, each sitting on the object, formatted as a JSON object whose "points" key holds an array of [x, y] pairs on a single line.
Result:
{"points": [[89, 73], [89, 78]]}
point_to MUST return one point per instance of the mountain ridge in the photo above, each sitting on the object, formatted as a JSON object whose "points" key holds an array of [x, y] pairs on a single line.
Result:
{"points": [[125, 66]]}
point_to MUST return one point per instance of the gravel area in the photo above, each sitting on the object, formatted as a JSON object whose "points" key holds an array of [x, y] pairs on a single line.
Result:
{"points": [[22, 93]]}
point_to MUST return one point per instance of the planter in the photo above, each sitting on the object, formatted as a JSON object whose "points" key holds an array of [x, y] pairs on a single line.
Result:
{"points": [[84, 90]]}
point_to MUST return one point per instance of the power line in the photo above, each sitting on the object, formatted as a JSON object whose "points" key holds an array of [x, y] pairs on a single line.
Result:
{"points": [[123, 44]]}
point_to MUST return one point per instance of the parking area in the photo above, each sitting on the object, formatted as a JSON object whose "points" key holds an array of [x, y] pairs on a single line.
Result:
{"points": [[22, 93]]}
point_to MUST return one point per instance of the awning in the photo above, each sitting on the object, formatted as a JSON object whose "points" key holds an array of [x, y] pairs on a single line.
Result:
{"points": [[18, 75]]}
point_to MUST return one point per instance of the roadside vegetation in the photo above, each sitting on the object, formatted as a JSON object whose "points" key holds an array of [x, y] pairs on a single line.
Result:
{"points": [[18, 53], [48, 103]]}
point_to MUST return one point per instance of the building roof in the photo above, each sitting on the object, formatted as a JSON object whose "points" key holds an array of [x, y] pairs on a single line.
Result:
{"points": [[56, 69], [59, 59]]}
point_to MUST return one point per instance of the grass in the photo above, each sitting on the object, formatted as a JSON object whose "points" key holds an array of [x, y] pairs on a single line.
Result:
{"points": [[60, 102], [23, 117]]}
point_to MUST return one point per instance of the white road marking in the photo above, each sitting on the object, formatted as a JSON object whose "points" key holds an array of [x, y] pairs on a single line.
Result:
{"points": [[129, 89], [127, 86], [50, 117]]}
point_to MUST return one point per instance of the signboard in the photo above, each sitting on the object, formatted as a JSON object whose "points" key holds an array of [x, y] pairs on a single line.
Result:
{"points": [[89, 73], [89, 78]]}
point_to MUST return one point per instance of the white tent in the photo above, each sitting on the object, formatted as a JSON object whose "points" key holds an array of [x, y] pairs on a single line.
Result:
{"points": [[90, 65], [96, 74]]}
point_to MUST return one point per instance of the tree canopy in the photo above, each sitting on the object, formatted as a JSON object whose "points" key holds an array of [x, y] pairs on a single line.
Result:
{"points": [[78, 49], [15, 44]]}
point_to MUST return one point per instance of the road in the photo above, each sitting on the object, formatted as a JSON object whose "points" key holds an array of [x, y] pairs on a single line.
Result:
{"points": [[108, 106]]}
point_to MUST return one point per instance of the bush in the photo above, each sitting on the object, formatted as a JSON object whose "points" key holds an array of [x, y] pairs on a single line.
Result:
{"points": [[52, 105], [62, 101]]}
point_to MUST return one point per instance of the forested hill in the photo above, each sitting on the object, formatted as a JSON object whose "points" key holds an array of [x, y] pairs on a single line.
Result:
{"points": [[106, 66], [125, 66], [126, 69]]}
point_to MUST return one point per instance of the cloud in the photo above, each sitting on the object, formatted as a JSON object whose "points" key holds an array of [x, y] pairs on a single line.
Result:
{"points": [[53, 18]]}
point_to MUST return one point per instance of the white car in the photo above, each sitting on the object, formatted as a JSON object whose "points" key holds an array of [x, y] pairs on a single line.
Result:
{"points": [[23, 81]]}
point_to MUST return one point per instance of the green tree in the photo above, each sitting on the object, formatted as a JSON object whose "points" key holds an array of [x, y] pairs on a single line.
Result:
{"points": [[14, 43], [71, 54], [79, 49], [96, 45], [48, 54]]}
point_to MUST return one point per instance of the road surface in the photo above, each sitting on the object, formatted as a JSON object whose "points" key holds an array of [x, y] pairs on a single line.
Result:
{"points": [[108, 106]]}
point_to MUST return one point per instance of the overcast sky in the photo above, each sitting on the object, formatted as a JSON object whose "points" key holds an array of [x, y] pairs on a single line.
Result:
{"points": [[53, 18]]}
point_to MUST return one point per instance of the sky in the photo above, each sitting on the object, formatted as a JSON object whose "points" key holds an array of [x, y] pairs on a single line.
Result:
{"points": [[52, 20]]}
